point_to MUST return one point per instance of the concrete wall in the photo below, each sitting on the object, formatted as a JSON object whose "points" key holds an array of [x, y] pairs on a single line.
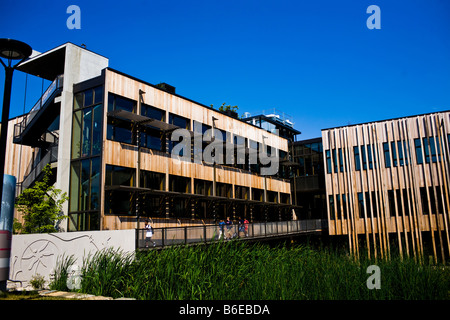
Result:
{"points": [[33, 254], [80, 65]]}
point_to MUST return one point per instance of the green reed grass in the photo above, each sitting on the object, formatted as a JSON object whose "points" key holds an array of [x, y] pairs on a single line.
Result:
{"points": [[236, 270]]}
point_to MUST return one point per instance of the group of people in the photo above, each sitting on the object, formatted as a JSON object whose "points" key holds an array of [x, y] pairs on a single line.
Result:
{"points": [[226, 230], [228, 234]]}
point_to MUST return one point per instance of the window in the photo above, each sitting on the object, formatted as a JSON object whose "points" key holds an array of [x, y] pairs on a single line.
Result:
{"points": [[257, 194], [120, 131], [223, 190], [387, 156], [328, 160], [117, 129], [402, 159], [86, 137], [418, 148], [357, 160], [87, 129], [239, 151], [364, 159], [116, 102], [179, 184], [118, 201], [180, 122], [253, 156], [272, 196], [241, 192], [429, 200], [203, 187], [88, 97], [394, 154], [152, 138], [152, 180], [361, 204], [335, 164], [341, 160], [391, 201], [344, 206], [430, 150], [332, 209], [85, 185], [369, 156]]}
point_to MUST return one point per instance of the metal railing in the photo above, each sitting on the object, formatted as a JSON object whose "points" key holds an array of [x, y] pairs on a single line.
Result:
{"points": [[19, 128], [50, 157], [163, 237]]}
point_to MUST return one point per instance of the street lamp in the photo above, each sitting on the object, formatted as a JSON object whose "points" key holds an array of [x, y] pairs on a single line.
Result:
{"points": [[9, 50]]}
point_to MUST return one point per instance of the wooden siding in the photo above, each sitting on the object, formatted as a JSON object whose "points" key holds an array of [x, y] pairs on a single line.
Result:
{"points": [[121, 154], [18, 157], [392, 197]]}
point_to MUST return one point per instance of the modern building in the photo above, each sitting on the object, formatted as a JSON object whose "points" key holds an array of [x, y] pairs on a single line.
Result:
{"points": [[126, 151], [388, 182], [108, 137]]}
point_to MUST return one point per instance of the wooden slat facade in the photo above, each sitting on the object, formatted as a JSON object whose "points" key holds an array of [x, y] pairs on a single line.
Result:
{"points": [[18, 157], [120, 154], [388, 180]]}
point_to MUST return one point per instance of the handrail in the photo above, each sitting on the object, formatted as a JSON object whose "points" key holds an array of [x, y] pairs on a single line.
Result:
{"points": [[168, 236], [55, 85], [50, 157]]}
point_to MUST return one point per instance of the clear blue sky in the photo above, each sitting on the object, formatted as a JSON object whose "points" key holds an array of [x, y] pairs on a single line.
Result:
{"points": [[315, 60]]}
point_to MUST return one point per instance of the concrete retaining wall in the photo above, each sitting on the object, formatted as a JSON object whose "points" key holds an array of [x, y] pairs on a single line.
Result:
{"points": [[33, 254]]}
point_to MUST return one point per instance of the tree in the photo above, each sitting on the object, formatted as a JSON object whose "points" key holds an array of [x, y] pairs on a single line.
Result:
{"points": [[225, 108], [41, 206], [228, 109]]}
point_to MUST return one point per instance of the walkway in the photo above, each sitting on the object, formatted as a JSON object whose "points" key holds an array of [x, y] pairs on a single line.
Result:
{"points": [[163, 237]]}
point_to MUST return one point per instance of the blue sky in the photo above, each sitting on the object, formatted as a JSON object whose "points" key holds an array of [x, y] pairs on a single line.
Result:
{"points": [[314, 60]]}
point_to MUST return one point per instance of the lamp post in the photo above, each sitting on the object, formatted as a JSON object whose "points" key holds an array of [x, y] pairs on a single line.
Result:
{"points": [[9, 50]]}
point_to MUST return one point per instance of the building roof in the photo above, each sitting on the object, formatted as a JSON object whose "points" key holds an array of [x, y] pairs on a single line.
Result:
{"points": [[397, 118], [49, 64]]}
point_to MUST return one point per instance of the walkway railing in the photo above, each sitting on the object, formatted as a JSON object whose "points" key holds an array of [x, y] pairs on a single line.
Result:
{"points": [[57, 84], [163, 237]]}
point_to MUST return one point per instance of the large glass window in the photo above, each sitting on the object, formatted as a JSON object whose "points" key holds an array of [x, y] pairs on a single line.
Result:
{"points": [[118, 201], [85, 170], [87, 131], [85, 185], [117, 129]]}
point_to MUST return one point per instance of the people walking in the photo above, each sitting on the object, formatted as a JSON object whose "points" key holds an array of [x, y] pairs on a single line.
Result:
{"points": [[221, 226], [229, 225], [241, 227], [246, 227], [148, 234]]}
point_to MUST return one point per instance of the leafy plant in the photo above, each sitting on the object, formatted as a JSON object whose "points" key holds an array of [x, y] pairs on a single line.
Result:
{"points": [[37, 281], [41, 206]]}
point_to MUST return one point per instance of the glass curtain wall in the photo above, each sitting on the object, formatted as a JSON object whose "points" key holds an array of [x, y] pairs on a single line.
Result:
{"points": [[85, 165]]}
